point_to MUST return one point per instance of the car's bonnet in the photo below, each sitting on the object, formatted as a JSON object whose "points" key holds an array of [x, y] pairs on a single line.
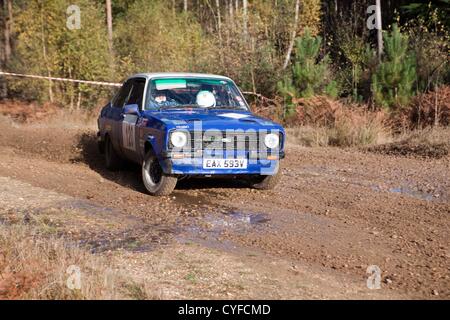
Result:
{"points": [[213, 119]]}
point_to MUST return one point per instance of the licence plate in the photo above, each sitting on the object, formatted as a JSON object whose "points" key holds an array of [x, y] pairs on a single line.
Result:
{"points": [[224, 163]]}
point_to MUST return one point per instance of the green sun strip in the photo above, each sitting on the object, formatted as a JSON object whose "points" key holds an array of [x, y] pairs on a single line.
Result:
{"points": [[162, 84], [210, 82]]}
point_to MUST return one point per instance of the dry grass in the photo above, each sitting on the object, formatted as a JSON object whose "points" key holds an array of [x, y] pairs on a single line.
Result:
{"points": [[33, 266], [32, 115], [321, 121], [346, 132], [362, 131], [308, 136], [433, 142], [425, 110]]}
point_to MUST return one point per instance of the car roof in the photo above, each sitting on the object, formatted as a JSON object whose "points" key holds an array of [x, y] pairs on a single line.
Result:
{"points": [[176, 75]]}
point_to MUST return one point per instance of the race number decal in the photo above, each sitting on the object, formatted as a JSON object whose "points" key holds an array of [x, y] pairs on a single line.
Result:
{"points": [[129, 132]]}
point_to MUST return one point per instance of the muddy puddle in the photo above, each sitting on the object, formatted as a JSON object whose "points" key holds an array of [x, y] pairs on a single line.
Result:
{"points": [[211, 229], [408, 191], [208, 230], [235, 221], [411, 190]]}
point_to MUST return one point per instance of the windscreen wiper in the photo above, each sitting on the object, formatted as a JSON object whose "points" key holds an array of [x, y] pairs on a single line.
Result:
{"points": [[174, 106], [227, 107]]}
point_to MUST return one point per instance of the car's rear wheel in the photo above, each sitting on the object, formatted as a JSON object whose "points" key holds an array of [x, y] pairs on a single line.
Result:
{"points": [[112, 160], [155, 180]]}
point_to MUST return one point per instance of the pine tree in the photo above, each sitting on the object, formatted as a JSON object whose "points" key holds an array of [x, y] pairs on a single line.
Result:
{"points": [[309, 75], [392, 83]]}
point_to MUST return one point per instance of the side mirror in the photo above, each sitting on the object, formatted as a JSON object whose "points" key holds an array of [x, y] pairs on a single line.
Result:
{"points": [[132, 109]]}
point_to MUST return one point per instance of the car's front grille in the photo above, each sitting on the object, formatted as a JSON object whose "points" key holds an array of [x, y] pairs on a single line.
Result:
{"points": [[224, 140]]}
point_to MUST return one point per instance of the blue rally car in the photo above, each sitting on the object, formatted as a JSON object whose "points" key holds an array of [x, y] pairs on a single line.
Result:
{"points": [[180, 125]]}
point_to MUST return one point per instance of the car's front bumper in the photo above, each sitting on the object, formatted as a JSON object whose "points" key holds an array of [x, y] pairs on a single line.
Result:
{"points": [[191, 165]]}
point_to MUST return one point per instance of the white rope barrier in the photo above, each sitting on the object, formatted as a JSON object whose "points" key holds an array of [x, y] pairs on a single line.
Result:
{"points": [[99, 83]]}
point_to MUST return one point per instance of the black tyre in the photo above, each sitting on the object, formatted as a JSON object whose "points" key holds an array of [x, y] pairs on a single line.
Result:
{"points": [[112, 160], [101, 147], [155, 181], [266, 182]]}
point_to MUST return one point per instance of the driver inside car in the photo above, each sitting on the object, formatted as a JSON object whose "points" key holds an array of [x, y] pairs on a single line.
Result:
{"points": [[160, 99]]}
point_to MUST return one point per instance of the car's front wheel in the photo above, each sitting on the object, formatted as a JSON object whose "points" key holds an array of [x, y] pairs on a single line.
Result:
{"points": [[155, 180], [266, 182]]}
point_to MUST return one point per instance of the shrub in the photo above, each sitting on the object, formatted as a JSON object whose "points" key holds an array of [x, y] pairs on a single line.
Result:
{"points": [[309, 75], [329, 122], [427, 109], [351, 131], [392, 83], [431, 47]]}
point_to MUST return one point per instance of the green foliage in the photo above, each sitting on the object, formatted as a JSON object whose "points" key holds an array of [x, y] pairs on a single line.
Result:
{"points": [[217, 37], [355, 56], [429, 12], [310, 74], [156, 39], [431, 47], [46, 46], [392, 83]]}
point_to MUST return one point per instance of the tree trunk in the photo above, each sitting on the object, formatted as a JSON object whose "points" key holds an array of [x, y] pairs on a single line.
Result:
{"points": [[231, 10], [185, 5], [109, 26], [44, 55], [294, 34], [379, 29], [7, 21], [79, 99], [245, 18], [8, 30], [219, 21], [436, 106]]}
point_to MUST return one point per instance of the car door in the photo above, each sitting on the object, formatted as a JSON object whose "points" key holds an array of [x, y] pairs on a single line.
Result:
{"points": [[114, 115], [130, 139]]}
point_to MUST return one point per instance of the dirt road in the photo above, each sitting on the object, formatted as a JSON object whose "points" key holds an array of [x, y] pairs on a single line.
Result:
{"points": [[335, 213]]}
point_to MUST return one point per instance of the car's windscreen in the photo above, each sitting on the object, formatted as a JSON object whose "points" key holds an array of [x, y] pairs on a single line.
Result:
{"points": [[194, 93]]}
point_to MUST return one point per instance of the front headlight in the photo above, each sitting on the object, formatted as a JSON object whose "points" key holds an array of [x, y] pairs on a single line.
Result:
{"points": [[272, 140], [178, 139]]}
